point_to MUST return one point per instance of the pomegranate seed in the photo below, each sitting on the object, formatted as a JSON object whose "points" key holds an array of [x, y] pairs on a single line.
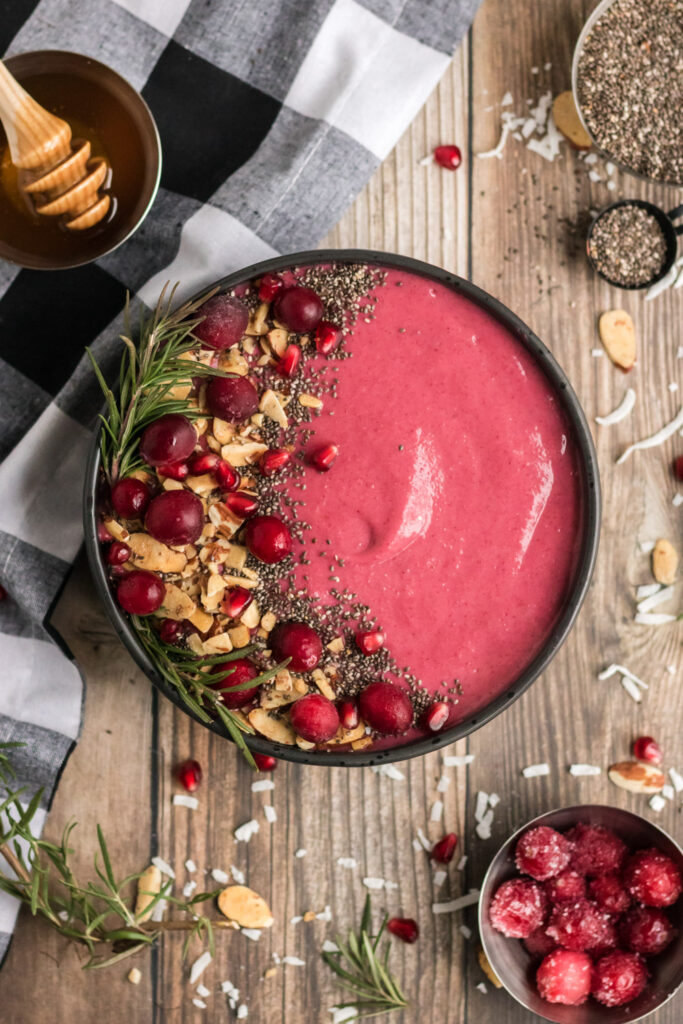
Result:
{"points": [[189, 775], [274, 460], [449, 157], [322, 458], [403, 928], [645, 748], [436, 715], [348, 714], [326, 337], [118, 553], [678, 467], [176, 471], [269, 286], [265, 762], [236, 601], [369, 641], [227, 477], [241, 504], [442, 852], [172, 631], [205, 462], [287, 366], [103, 534]]}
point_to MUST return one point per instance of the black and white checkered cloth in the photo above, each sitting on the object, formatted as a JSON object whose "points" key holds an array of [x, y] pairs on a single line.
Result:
{"points": [[272, 115]]}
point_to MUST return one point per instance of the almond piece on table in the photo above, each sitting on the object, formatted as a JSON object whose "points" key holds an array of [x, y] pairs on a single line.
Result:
{"points": [[636, 777], [487, 969], [618, 335], [567, 121], [245, 907], [664, 562], [149, 884]]}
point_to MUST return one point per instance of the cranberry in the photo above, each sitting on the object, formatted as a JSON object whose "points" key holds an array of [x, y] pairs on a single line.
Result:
{"points": [[269, 286], [172, 631], [288, 365], [298, 642], [618, 978], [326, 337], [265, 762], [580, 925], [272, 461], [449, 157], [609, 893], [386, 707], [241, 504], [203, 462], [323, 457], [189, 775], [443, 851], [518, 908], [231, 398], [227, 477], [567, 887], [176, 471], [645, 748], [596, 849], [167, 440], [268, 539], [652, 878], [225, 321], [369, 641], [538, 944], [565, 977], [118, 553], [236, 601], [314, 718], [130, 498], [235, 674], [298, 308], [404, 928], [348, 714], [436, 715], [542, 853], [646, 930], [140, 592], [678, 467], [103, 534], [175, 517]]}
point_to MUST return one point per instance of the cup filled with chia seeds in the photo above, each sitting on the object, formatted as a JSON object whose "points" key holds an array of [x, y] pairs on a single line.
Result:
{"points": [[633, 244]]}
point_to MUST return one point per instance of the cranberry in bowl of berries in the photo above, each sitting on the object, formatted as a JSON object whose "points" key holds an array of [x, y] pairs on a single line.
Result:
{"points": [[343, 508], [581, 916]]}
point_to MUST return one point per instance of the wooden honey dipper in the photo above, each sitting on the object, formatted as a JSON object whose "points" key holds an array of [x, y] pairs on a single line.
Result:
{"points": [[60, 178]]}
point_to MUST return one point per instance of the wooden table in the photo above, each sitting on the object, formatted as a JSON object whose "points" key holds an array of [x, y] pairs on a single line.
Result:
{"points": [[507, 225]]}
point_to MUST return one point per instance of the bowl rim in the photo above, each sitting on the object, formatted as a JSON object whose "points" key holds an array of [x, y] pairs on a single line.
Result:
{"points": [[585, 560], [74, 62]]}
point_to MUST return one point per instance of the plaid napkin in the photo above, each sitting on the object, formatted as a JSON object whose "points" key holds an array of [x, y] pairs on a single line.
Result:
{"points": [[272, 115]]}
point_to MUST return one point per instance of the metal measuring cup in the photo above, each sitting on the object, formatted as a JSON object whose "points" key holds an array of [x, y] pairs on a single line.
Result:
{"points": [[670, 231]]}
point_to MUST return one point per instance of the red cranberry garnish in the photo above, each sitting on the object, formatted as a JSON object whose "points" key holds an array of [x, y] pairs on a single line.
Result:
{"points": [[348, 714], [298, 308], [565, 977], [326, 337], [269, 286], [618, 978], [369, 641], [597, 850], [449, 157], [652, 878], [189, 775], [609, 893], [580, 925], [118, 553], [298, 642], [443, 851], [241, 504], [175, 517], [176, 471], [203, 462], [287, 366], [518, 908], [265, 762], [236, 673], [231, 398], [130, 498], [272, 461], [678, 467], [436, 716], [225, 321], [140, 592], [538, 944], [227, 477], [323, 457], [236, 602], [268, 539], [646, 930], [542, 853], [314, 718], [567, 887], [167, 440], [386, 707], [645, 748], [103, 534], [404, 928], [172, 631]]}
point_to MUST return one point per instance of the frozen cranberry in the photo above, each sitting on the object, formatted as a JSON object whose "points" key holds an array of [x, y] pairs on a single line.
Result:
{"points": [[609, 893], [518, 908], [236, 673], [542, 853], [646, 930], [369, 641], [443, 851], [272, 461], [265, 762], [172, 631], [597, 850], [678, 467], [118, 553], [269, 286], [140, 592], [288, 365], [236, 601], [567, 887], [326, 337], [565, 977], [386, 708], [298, 642], [652, 878], [225, 321], [268, 539], [448, 157], [130, 498], [645, 748], [348, 714], [167, 440], [314, 718], [404, 928], [231, 398], [189, 775], [298, 308], [618, 978], [175, 517], [241, 504], [227, 477], [323, 457], [580, 925], [538, 944]]}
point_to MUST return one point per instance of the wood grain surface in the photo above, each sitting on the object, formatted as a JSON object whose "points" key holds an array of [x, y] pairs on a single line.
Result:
{"points": [[514, 226]]}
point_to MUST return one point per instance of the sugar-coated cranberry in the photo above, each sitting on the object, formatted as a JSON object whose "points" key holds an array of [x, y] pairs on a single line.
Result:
{"points": [[542, 853], [386, 708], [518, 908], [234, 399], [314, 718], [225, 321], [618, 978], [539, 944], [175, 517], [189, 775], [580, 925], [404, 928], [326, 337], [167, 440], [298, 642], [652, 878], [118, 553], [236, 673], [448, 157], [609, 893], [646, 748], [646, 930], [265, 762], [443, 851], [269, 286], [130, 498], [567, 887], [597, 850], [268, 539], [140, 592], [565, 977], [298, 308]]}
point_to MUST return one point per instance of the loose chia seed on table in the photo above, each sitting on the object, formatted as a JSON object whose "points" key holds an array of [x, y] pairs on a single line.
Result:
{"points": [[630, 86], [628, 246]]}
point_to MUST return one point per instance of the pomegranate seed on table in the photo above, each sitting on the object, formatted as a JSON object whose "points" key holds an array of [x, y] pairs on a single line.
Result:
{"points": [[189, 775], [225, 321], [289, 363], [140, 592], [299, 642], [176, 470], [386, 708], [175, 517], [348, 714], [645, 748], [265, 762], [678, 467], [436, 715], [234, 399], [130, 497], [314, 718], [268, 539], [326, 337], [444, 850], [369, 641], [203, 462], [168, 440], [269, 286], [241, 504], [298, 308], [323, 457], [404, 928], [227, 477], [449, 157], [118, 553], [272, 461], [236, 601]]}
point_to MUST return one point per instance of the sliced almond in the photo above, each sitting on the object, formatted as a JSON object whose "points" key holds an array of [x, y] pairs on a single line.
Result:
{"points": [[322, 682], [201, 620], [243, 454], [362, 743], [275, 729], [222, 430], [283, 681], [237, 556], [218, 644], [176, 604], [304, 744], [278, 340], [240, 581], [148, 553], [240, 636], [268, 621], [271, 405], [664, 562], [637, 777], [310, 401], [251, 616], [271, 698], [234, 362], [169, 484], [115, 530], [484, 961], [618, 335], [194, 642], [257, 321], [179, 391], [149, 885], [245, 907], [348, 735], [567, 121]]}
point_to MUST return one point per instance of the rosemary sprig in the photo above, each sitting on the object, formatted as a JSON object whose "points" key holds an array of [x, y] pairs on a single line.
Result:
{"points": [[365, 971]]}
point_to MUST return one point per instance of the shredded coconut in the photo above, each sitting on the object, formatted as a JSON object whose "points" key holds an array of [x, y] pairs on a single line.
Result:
{"points": [[351, 862], [252, 933], [244, 833], [163, 866], [667, 431], [437, 811], [654, 619], [532, 771], [657, 802], [458, 904], [199, 966], [632, 690], [481, 805], [190, 866], [457, 760], [676, 779], [439, 878], [237, 875], [182, 800], [270, 813], [584, 769], [624, 409], [653, 600], [220, 876], [262, 785], [389, 770]]}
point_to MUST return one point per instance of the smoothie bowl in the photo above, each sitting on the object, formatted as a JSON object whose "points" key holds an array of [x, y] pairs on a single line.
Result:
{"points": [[368, 509]]}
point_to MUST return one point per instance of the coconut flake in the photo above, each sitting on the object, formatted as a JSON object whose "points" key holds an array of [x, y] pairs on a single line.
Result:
{"points": [[417, 845], [549, 146], [676, 779], [657, 802], [326, 914], [242, 1011], [220, 876], [270, 813], [671, 669], [533, 771], [439, 878], [244, 833], [300, 853], [653, 600], [624, 409], [437, 811], [429, 159], [378, 883], [457, 760], [252, 933], [199, 1003], [668, 792], [330, 947], [667, 431], [425, 843], [466, 932], [494, 799], [615, 669], [190, 866], [460, 866], [297, 919], [661, 286], [646, 546], [443, 784], [458, 904], [188, 889], [182, 800], [647, 590], [482, 988], [497, 150], [632, 690], [351, 862], [483, 828], [390, 770], [293, 961], [199, 966], [506, 100], [229, 989], [677, 499], [262, 785], [654, 619], [481, 805], [340, 1014], [203, 991], [584, 769], [159, 910], [163, 866], [237, 875], [597, 353]]}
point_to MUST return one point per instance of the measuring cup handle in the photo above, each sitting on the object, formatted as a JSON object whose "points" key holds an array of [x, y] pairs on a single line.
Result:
{"points": [[673, 214]]}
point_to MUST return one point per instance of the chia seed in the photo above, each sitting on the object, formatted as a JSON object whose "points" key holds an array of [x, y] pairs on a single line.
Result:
{"points": [[628, 246]]}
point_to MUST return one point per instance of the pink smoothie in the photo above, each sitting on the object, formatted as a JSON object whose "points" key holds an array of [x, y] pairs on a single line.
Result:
{"points": [[455, 503]]}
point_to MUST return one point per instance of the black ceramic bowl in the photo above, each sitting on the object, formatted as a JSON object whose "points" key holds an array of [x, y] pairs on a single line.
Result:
{"points": [[586, 558]]}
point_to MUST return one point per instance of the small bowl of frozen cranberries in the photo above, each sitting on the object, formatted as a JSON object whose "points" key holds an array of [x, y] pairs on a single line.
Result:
{"points": [[581, 916]]}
